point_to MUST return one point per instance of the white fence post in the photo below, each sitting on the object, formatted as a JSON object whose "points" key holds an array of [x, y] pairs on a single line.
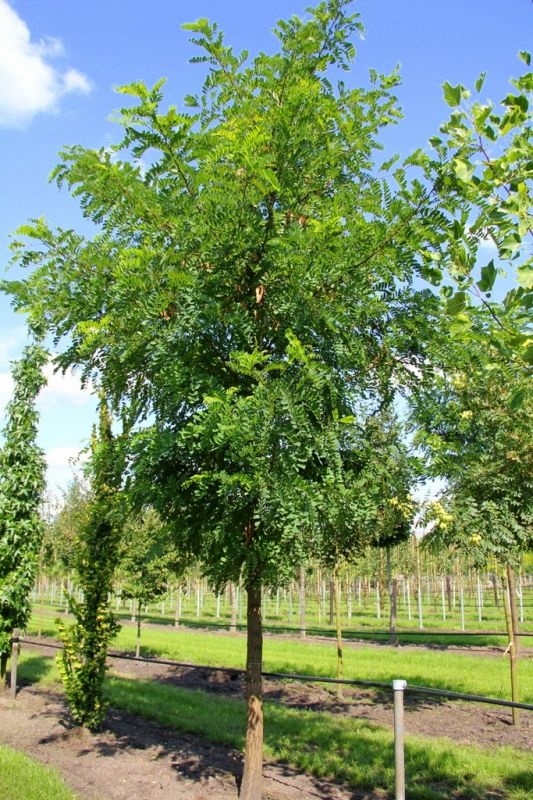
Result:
{"points": [[399, 756]]}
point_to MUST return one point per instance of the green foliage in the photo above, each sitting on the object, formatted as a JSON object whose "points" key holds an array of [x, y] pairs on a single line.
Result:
{"points": [[22, 481], [82, 663], [61, 535], [250, 296], [148, 558], [476, 429], [484, 166], [250, 292]]}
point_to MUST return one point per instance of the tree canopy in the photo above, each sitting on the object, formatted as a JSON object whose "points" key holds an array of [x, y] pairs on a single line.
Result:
{"points": [[250, 299], [481, 160], [478, 436]]}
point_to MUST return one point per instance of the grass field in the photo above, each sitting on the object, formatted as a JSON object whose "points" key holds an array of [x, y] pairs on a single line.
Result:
{"points": [[439, 669], [354, 752], [21, 778]]}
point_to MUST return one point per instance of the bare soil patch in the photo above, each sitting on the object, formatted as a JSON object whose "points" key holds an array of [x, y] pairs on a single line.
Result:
{"points": [[136, 759]]}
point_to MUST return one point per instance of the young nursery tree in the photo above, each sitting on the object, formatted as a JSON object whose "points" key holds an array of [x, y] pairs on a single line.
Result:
{"points": [[249, 296], [476, 430], [82, 663], [61, 535], [22, 483], [148, 561]]}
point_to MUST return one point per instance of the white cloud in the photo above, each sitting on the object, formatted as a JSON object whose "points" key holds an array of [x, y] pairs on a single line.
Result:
{"points": [[6, 389], [65, 456], [61, 456], [488, 244], [63, 388], [63, 464], [11, 344], [61, 391], [29, 81]]}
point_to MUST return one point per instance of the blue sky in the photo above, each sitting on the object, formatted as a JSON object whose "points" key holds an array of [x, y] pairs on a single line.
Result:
{"points": [[59, 62]]}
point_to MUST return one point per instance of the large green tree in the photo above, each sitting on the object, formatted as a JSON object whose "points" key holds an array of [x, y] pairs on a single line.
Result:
{"points": [[249, 297], [22, 483]]}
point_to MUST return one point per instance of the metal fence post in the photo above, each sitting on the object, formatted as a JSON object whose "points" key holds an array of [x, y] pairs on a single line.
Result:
{"points": [[399, 758]]}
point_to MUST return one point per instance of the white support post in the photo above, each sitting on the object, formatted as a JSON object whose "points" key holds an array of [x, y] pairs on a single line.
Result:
{"points": [[399, 755]]}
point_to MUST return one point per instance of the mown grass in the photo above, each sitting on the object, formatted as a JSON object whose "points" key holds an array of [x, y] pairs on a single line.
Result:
{"points": [[354, 752], [21, 778], [439, 668], [362, 623]]}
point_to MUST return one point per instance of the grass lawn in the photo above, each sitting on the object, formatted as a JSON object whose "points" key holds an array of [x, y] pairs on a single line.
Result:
{"points": [[21, 778], [352, 751], [439, 669]]}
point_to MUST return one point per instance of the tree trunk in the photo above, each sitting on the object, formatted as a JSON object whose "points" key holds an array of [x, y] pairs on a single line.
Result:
{"points": [[449, 593], [319, 595], [419, 590], [338, 628], [514, 610], [494, 580], [177, 613], [3, 670], [15, 649], [393, 600], [138, 637], [253, 756], [301, 600], [234, 608], [512, 647]]}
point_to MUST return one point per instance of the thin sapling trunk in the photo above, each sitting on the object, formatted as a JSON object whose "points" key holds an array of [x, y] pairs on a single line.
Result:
{"points": [[253, 758]]}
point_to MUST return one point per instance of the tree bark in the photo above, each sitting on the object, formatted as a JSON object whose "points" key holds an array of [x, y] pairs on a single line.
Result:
{"points": [[138, 636], [3, 671], [253, 757], [15, 649], [512, 647], [177, 612], [338, 628], [393, 600], [234, 609], [301, 599], [449, 592], [514, 609], [494, 579], [419, 590]]}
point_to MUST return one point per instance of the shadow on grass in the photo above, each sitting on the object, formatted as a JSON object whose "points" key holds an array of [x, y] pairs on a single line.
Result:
{"points": [[360, 754], [521, 780], [33, 669], [355, 753]]}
